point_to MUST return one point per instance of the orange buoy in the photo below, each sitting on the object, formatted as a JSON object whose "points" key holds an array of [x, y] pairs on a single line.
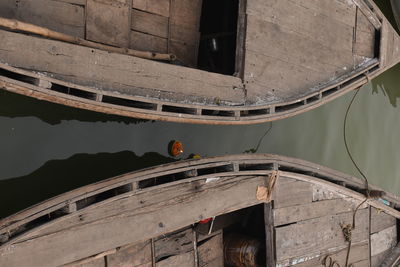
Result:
{"points": [[175, 148]]}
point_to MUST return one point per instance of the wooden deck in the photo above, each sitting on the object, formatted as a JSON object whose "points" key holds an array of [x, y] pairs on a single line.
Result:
{"points": [[292, 56], [148, 217]]}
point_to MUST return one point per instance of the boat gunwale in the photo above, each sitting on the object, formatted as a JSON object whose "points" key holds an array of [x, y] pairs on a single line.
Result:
{"points": [[301, 169]]}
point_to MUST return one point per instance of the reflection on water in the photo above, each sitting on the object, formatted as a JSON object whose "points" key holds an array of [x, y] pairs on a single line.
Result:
{"points": [[388, 85], [52, 113], [58, 176], [47, 149]]}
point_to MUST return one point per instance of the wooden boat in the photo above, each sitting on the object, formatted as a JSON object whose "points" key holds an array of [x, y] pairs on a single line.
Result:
{"points": [[290, 212], [233, 61]]}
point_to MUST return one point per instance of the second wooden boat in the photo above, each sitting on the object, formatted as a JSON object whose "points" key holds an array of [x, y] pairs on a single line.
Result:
{"points": [[243, 210], [232, 61]]}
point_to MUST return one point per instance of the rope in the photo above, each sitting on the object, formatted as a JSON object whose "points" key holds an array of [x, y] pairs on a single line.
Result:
{"points": [[264, 193], [347, 229], [254, 150]]}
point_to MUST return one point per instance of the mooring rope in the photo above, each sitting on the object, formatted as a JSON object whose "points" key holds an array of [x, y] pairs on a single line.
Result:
{"points": [[347, 229], [254, 150]]}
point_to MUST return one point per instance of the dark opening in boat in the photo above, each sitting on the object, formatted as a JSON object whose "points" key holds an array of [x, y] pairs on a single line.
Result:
{"points": [[218, 27]]}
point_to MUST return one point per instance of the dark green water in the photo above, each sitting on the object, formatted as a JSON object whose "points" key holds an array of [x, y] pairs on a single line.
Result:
{"points": [[47, 149]]}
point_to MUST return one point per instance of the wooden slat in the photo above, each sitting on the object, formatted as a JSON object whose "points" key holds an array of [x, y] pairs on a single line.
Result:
{"points": [[364, 45], [211, 252], [186, 13], [147, 42], [131, 255], [318, 235], [172, 244], [342, 11], [314, 210], [149, 23], [294, 46], [383, 240], [272, 78], [159, 7], [96, 262], [302, 20], [142, 222], [359, 253], [291, 194], [380, 220], [108, 22], [186, 259], [269, 236], [58, 16], [8, 9], [126, 74]]}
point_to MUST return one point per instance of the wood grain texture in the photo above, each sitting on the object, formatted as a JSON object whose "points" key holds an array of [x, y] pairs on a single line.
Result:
{"points": [[149, 23], [291, 194], [108, 22], [318, 235], [56, 15], [211, 252], [383, 240], [159, 7], [146, 42], [114, 72], [314, 210], [131, 255], [173, 244], [359, 254], [186, 259]]}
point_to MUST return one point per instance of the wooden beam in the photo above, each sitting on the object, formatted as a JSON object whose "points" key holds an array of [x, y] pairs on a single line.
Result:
{"points": [[269, 235]]}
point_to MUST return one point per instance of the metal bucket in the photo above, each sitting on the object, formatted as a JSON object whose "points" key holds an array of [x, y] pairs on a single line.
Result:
{"points": [[242, 251]]}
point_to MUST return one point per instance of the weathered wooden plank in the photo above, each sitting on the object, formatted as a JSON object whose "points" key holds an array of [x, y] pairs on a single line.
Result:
{"points": [[269, 235], [109, 71], [271, 79], [99, 14], [291, 194], [377, 260], [295, 47], [380, 220], [341, 11], [321, 193], [392, 257], [186, 259], [302, 20], [363, 24], [172, 244], [131, 255], [147, 42], [211, 252], [186, 13], [58, 16], [142, 222], [149, 23], [318, 235], [314, 210], [96, 262], [159, 7], [8, 9], [75, 2], [383, 240], [359, 253], [364, 44]]}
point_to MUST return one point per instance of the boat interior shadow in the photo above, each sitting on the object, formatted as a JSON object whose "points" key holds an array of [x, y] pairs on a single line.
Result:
{"points": [[14, 105], [59, 176]]}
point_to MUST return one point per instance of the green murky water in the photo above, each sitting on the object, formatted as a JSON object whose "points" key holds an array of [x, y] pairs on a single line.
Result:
{"points": [[47, 149]]}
